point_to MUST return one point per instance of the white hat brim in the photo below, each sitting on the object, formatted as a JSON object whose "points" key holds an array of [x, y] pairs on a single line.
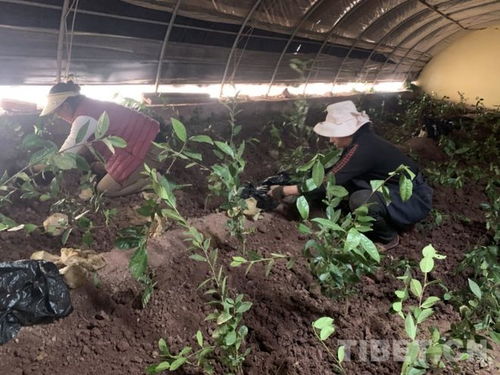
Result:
{"points": [[328, 129], [54, 101]]}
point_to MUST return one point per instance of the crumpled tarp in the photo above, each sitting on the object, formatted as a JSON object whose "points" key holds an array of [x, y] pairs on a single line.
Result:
{"points": [[31, 292]]}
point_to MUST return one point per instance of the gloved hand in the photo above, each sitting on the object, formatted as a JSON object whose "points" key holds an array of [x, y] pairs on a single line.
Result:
{"points": [[276, 192]]}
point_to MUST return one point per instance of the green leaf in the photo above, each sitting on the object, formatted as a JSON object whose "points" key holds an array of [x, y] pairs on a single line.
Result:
{"points": [[197, 257], [199, 338], [223, 318], [117, 141], [230, 338], [304, 229], [410, 328], [426, 264], [326, 332], [244, 307], [397, 306], [416, 288], [424, 314], [303, 207], [341, 353], [429, 302], [108, 144], [102, 126], [177, 363], [353, 239], [155, 369], [318, 173], [30, 227], [202, 139], [64, 161], [323, 322], [194, 155], [475, 288], [405, 188], [429, 251], [400, 294], [65, 235], [179, 129], [82, 132], [376, 184], [162, 345], [225, 148], [138, 263], [325, 223], [369, 247]]}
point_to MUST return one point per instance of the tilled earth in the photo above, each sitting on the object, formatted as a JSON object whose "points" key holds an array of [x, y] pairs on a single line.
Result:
{"points": [[108, 333]]}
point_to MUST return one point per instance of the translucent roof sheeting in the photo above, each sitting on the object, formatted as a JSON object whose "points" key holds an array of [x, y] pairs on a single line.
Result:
{"points": [[214, 41]]}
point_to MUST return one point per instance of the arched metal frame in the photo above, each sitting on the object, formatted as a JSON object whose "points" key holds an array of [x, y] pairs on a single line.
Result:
{"points": [[292, 36], [60, 38], [439, 41], [442, 14], [376, 20], [236, 41], [413, 35], [164, 44], [327, 38], [390, 33]]}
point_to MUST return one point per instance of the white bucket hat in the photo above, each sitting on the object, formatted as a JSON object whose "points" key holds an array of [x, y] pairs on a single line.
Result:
{"points": [[342, 120], [55, 100]]}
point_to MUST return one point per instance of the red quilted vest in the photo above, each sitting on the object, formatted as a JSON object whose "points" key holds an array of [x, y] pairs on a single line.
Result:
{"points": [[135, 128]]}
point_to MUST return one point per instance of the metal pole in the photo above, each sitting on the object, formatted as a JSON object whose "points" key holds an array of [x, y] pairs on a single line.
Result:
{"points": [[410, 36], [376, 20], [297, 27], [390, 33], [433, 45], [60, 38], [327, 38], [236, 41], [164, 45]]}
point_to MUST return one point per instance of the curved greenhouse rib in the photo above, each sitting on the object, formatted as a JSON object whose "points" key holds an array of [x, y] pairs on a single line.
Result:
{"points": [[360, 35], [412, 35], [60, 38], [164, 44], [299, 25], [236, 41], [339, 21]]}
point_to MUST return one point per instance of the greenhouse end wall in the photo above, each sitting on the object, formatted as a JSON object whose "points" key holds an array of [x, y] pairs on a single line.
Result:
{"points": [[469, 66]]}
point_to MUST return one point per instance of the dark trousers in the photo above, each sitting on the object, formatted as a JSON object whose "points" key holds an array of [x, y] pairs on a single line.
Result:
{"points": [[383, 229]]}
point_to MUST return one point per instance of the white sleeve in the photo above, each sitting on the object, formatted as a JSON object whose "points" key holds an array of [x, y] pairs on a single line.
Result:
{"points": [[70, 144]]}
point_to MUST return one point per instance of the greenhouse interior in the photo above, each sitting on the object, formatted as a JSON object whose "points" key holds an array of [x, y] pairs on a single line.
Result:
{"points": [[286, 187]]}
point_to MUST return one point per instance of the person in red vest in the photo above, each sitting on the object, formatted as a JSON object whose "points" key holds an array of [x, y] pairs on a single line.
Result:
{"points": [[124, 167]]}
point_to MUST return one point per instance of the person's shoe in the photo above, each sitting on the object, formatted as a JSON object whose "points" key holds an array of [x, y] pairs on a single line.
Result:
{"points": [[383, 247]]}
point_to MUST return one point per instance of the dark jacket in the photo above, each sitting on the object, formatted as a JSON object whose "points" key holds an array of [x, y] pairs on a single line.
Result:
{"points": [[370, 157]]}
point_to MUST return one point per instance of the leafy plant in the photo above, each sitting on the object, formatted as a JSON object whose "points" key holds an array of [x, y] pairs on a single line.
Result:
{"points": [[479, 303], [323, 328], [339, 251], [45, 153], [418, 360], [224, 179], [229, 334]]}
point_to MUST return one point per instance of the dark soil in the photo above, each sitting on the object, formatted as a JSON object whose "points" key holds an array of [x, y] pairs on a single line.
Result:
{"points": [[109, 334]]}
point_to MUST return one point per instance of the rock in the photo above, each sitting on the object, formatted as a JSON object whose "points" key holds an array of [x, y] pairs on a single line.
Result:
{"points": [[56, 224], [101, 315], [86, 194], [122, 346]]}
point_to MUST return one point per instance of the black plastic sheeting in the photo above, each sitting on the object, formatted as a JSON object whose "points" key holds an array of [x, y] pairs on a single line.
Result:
{"points": [[31, 292], [119, 41]]}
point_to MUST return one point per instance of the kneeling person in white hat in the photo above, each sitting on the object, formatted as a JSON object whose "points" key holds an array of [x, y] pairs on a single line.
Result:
{"points": [[366, 157]]}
